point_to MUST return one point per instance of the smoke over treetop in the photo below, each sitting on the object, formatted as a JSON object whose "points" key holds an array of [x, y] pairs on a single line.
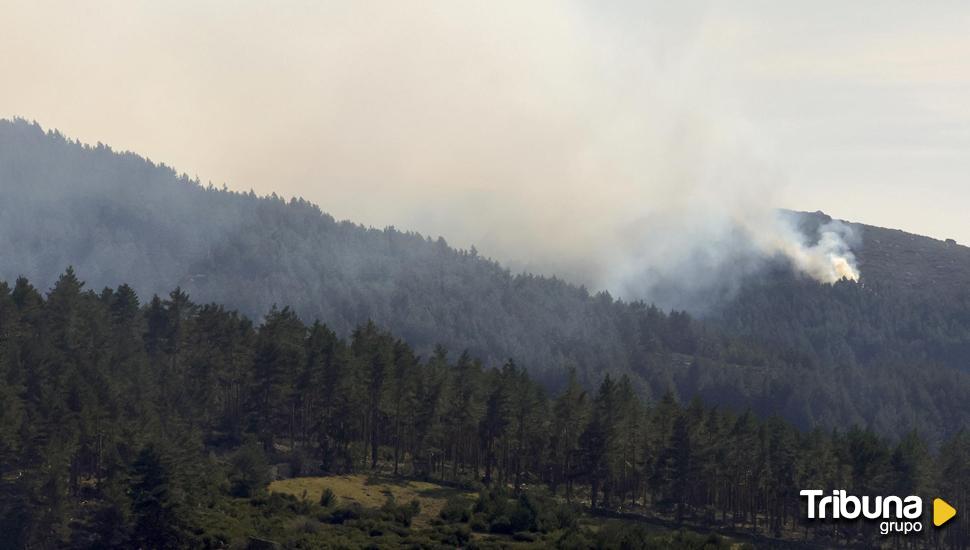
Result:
{"points": [[560, 137], [828, 260], [119, 218]]}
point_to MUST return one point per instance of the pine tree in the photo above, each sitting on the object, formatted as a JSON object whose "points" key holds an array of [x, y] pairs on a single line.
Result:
{"points": [[278, 357], [569, 415], [599, 443], [462, 409], [494, 422], [156, 506]]}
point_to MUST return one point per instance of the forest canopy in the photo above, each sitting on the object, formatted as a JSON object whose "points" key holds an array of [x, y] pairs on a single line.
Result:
{"points": [[888, 352], [154, 424]]}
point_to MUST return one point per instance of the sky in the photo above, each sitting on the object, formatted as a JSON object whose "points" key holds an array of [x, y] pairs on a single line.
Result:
{"points": [[552, 135]]}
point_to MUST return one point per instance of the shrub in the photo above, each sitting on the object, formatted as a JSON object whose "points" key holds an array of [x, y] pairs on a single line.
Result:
{"points": [[620, 534], [250, 471], [402, 514], [299, 462], [574, 539], [493, 503], [501, 525], [553, 516], [523, 516], [478, 523], [345, 513], [454, 536], [327, 497], [456, 510]]}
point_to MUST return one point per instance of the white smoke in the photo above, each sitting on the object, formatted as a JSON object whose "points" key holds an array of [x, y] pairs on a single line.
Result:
{"points": [[694, 260], [602, 142], [705, 220], [828, 260]]}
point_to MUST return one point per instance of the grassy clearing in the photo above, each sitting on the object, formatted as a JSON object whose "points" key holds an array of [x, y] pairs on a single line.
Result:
{"points": [[372, 492], [495, 523]]}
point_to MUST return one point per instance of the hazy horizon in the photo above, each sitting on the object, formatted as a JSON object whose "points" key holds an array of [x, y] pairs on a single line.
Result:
{"points": [[539, 134]]}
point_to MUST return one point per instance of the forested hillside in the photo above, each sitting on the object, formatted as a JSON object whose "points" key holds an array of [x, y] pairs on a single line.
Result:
{"points": [[153, 425], [888, 353], [118, 218]]}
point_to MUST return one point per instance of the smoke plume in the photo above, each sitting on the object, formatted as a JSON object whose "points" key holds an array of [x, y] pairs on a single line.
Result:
{"points": [[603, 143], [828, 260]]}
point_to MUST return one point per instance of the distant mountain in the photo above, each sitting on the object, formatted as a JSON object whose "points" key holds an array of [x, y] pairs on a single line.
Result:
{"points": [[890, 352]]}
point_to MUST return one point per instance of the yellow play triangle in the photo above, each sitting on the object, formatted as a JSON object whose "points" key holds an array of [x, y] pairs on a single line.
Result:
{"points": [[942, 512]]}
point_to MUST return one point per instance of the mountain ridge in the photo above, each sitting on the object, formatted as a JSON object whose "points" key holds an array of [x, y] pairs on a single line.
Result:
{"points": [[783, 345]]}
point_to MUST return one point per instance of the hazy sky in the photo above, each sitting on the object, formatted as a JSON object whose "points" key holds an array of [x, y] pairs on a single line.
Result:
{"points": [[537, 130]]}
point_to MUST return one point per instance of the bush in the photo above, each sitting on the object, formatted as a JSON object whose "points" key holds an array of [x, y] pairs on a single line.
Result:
{"points": [[327, 498], [554, 516], [275, 503], [501, 525], [493, 503], [250, 471], [402, 514], [456, 510], [299, 462], [523, 516], [574, 539], [307, 525], [478, 523], [620, 534], [530, 511], [345, 513], [454, 536]]}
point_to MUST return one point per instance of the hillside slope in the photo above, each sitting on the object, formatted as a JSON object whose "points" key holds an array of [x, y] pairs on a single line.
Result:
{"points": [[903, 261], [888, 353], [119, 217]]}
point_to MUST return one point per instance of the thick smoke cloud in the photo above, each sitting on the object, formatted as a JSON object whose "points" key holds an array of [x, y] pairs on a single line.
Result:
{"points": [[596, 143]]}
